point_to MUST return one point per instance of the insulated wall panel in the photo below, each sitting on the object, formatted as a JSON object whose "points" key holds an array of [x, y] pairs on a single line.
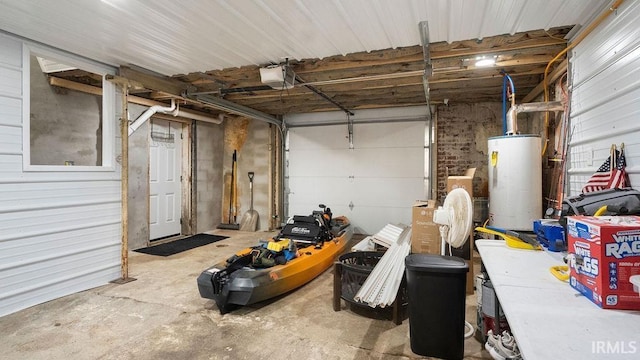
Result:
{"points": [[605, 96], [59, 230]]}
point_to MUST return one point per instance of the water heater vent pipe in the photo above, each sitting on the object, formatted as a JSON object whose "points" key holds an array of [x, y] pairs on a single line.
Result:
{"points": [[512, 114]]}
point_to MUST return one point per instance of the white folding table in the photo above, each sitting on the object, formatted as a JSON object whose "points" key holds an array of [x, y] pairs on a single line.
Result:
{"points": [[548, 318]]}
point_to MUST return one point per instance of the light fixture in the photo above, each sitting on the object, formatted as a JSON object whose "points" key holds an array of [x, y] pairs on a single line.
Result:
{"points": [[484, 61]]}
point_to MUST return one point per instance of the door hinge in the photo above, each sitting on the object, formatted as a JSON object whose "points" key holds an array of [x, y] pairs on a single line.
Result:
{"points": [[181, 136], [180, 178]]}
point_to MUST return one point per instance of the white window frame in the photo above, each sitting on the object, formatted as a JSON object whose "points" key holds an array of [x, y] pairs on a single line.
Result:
{"points": [[108, 109]]}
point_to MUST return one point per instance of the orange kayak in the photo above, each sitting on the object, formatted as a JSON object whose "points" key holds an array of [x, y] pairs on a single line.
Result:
{"points": [[238, 281]]}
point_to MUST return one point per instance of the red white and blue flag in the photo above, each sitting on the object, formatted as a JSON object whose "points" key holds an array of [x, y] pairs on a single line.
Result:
{"points": [[610, 175]]}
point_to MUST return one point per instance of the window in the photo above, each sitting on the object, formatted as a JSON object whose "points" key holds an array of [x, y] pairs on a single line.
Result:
{"points": [[69, 113]]}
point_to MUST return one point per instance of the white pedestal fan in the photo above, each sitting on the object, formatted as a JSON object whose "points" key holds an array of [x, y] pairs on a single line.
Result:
{"points": [[455, 218]]}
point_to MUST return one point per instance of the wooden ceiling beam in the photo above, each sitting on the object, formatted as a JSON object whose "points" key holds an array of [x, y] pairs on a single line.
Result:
{"points": [[381, 102], [71, 85], [390, 72], [390, 97], [156, 83], [470, 96], [409, 77], [522, 80], [393, 76], [346, 97], [440, 50], [500, 43]]}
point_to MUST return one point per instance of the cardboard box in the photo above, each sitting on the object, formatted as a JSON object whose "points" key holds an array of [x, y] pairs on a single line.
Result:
{"points": [[607, 251], [425, 234], [465, 181]]}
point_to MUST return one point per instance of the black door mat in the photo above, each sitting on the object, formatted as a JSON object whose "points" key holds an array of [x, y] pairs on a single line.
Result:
{"points": [[181, 245]]}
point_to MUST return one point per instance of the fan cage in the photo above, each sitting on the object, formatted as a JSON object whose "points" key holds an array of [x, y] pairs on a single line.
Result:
{"points": [[460, 224]]}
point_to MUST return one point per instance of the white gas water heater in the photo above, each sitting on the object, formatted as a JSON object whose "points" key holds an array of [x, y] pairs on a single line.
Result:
{"points": [[515, 173]]}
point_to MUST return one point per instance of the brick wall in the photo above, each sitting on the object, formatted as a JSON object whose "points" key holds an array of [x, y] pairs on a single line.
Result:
{"points": [[462, 131]]}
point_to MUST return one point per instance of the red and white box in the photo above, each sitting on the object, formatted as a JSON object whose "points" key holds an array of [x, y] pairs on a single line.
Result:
{"points": [[605, 259]]}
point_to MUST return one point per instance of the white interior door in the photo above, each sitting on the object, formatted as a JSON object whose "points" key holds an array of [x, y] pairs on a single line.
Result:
{"points": [[165, 166], [373, 184]]}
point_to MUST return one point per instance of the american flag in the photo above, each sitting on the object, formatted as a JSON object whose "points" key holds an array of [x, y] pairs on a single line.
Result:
{"points": [[607, 176]]}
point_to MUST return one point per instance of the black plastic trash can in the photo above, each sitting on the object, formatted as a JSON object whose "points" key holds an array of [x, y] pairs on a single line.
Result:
{"points": [[436, 288]]}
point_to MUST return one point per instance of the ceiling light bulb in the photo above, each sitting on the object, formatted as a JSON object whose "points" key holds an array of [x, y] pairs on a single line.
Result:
{"points": [[485, 62]]}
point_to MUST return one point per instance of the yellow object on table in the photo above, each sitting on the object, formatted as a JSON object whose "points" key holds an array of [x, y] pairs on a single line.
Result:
{"points": [[561, 272], [511, 241]]}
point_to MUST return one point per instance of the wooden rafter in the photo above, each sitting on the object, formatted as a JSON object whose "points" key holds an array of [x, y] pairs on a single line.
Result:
{"points": [[392, 77]]}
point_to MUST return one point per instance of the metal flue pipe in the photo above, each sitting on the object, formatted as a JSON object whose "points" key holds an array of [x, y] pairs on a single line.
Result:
{"points": [[512, 114]]}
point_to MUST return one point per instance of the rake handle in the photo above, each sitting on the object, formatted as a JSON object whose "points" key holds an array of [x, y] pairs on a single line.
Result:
{"points": [[251, 174]]}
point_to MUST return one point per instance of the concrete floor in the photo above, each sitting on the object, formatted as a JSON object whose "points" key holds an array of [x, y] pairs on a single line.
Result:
{"points": [[162, 316]]}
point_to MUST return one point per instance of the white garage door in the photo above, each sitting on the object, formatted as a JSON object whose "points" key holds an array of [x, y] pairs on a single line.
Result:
{"points": [[373, 184]]}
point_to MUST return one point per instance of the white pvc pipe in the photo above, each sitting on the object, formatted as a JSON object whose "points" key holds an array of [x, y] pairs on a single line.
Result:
{"points": [[190, 115], [149, 113]]}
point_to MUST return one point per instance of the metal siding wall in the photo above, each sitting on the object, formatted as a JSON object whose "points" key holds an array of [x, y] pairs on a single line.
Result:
{"points": [[260, 32], [605, 100], [59, 231]]}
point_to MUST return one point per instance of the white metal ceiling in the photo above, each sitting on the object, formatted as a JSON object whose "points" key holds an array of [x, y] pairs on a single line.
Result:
{"points": [[176, 37]]}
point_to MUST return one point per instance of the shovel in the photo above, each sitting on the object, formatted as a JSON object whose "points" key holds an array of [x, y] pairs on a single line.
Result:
{"points": [[249, 221]]}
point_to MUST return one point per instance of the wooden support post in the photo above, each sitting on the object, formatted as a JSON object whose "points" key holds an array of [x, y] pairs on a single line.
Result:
{"points": [[124, 132]]}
